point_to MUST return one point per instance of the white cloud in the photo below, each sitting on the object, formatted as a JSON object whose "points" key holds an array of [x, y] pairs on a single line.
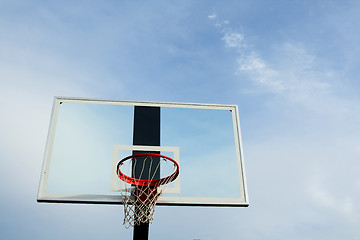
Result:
{"points": [[234, 39], [294, 73], [259, 71], [218, 23], [290, 71], [212, 16]]}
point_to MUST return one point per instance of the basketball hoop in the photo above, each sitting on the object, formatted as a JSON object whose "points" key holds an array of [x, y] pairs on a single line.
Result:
{"points": [[144, 177]]}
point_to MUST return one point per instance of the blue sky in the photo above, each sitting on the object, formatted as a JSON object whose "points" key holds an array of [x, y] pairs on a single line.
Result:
{"points": [[291, 66]]}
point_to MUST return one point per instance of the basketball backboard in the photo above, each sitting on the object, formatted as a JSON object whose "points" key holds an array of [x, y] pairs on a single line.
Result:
{"points": [[88, 137]]}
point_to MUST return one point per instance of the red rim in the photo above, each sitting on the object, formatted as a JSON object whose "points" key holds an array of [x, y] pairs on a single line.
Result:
{"points": [[143, 182]]}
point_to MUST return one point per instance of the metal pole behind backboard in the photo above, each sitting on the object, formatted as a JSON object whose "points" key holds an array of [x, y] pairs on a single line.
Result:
{"points": [[146, 133]]}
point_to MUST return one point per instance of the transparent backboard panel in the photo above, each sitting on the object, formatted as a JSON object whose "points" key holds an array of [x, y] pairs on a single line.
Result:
{"points": [[87, 138]]}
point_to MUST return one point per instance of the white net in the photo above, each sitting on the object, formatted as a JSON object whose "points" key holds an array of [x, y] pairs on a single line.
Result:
{"points": [[142, 180]]}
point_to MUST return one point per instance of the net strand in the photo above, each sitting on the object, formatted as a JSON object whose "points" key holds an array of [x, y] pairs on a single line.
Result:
{"points": [[139, 201]]}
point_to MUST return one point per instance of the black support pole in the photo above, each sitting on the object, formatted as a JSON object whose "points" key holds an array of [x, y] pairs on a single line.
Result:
{"points": [[146, 133]]}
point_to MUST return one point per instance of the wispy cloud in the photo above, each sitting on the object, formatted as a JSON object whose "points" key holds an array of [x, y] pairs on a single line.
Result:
{"points": [[234, 39], [260, 72], [212, 16], [292, 72]]}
